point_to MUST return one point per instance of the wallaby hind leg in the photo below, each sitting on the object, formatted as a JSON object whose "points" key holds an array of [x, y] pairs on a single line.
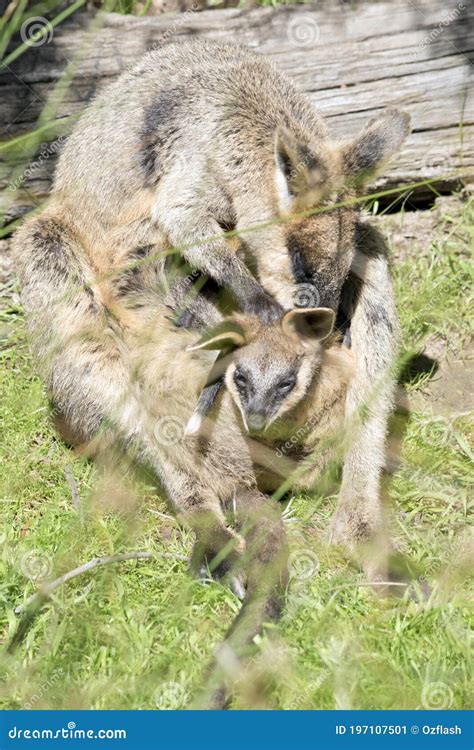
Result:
{"points": [[265, 559], [358, 520], [217, 544]]}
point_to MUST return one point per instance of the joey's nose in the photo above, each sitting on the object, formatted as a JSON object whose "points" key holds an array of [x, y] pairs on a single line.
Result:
{"points": [[256, 421]]}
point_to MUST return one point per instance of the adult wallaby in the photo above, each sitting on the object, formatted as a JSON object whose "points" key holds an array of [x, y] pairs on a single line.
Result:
{"points": [[119, 372], [120, 182], [199, 137]]}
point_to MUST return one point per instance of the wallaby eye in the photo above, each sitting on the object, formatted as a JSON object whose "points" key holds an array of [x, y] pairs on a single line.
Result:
{"points": [[240, 379], [287, 384]]}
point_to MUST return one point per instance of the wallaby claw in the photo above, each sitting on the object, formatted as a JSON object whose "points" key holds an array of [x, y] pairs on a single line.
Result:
{"points": [[194, 424], [199, 568], [237, 585]]}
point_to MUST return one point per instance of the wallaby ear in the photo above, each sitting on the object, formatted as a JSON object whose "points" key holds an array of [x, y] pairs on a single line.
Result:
{"points": [[379, 140], [226, 335], [286, 164], [309, 323], [299, 169]]}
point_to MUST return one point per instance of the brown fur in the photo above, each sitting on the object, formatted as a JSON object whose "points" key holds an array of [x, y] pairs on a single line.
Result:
{"points": [[120, 373], [197, 137]]}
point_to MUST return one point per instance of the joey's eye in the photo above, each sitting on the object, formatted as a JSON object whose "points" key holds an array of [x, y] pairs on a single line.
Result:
{"points": [[240, 379], [286, 385]]}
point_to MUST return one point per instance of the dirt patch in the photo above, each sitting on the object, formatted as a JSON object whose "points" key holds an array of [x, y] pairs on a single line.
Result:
{"points": [[412, 232], [450, 392]]}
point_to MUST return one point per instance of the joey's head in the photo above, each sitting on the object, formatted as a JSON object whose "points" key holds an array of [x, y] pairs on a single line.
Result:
{"points": [[329, 177], [272, 365]]}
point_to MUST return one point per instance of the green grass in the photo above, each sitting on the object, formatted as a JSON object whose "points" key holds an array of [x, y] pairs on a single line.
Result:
{"points": [[139, 634]]}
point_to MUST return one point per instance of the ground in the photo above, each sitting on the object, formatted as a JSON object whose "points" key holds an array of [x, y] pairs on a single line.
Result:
{"points": [[138, 634]]}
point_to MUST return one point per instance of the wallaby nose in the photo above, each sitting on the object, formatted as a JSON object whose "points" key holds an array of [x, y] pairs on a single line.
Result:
{"points": [[256, 421]]}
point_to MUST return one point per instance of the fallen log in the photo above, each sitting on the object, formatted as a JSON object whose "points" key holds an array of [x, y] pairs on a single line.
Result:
{"points": [[350, 60]]}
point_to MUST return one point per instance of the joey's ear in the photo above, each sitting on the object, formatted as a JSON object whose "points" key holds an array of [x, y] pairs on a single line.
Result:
{"points": [[309, 323], [379, 140], [226, 335]]}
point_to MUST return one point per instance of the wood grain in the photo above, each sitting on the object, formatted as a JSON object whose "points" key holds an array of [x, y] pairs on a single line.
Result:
{"points": [[351, 62]]}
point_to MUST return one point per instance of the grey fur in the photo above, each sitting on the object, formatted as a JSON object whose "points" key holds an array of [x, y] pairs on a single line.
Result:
{"points": [[121, 376], [197, 137]]}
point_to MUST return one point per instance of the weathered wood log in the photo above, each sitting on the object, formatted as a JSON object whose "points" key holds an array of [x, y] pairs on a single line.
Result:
{"points": [[351, 61]]}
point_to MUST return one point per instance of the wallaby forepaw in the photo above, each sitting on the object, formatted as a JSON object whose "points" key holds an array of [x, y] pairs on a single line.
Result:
{"points": [[264, 307]]}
